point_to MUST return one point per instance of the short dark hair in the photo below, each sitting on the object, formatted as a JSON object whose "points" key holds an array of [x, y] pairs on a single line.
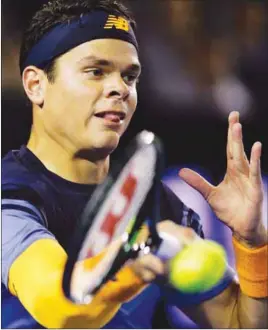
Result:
{"points": [[62, 11]]}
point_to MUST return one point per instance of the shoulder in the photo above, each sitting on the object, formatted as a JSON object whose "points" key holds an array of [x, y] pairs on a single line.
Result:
{"points": [[174, 209], [14, 171], [20, 181]]}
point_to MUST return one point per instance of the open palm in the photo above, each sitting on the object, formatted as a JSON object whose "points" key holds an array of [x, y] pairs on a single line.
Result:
{"points": [[237, 200]]}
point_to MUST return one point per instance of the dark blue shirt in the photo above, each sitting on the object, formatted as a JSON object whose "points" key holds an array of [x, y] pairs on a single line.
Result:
{"points": [[37, 203]]}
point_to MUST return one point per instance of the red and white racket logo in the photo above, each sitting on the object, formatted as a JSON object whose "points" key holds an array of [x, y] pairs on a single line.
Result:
{"points": [[113, 217]]}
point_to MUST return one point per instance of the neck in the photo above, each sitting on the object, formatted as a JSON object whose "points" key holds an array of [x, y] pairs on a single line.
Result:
{"points": [[79, 167]]}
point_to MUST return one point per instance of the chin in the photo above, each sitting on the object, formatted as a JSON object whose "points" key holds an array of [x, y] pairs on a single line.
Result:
{"points": [[108, 148], [111, 138], [106, 143]]}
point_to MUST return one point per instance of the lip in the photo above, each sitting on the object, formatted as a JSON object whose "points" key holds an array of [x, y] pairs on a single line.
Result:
{"points": [[111, 118], [120, 114]]}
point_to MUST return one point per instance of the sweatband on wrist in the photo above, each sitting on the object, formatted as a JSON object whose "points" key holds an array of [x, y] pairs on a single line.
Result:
{"points": [[252, 269], [60, 39]]}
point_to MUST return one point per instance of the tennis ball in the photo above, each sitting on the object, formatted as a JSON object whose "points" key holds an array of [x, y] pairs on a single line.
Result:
{"points": [[198, 267]]}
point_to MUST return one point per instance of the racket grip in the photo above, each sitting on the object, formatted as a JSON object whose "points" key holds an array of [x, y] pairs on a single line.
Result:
{"points": [[169, 247]]}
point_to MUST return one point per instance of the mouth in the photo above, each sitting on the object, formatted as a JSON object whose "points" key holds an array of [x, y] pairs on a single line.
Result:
{"points": [[111, 116]]}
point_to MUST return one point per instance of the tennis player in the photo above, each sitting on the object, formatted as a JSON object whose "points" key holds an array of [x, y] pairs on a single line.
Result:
{"points": [[80, 66]]}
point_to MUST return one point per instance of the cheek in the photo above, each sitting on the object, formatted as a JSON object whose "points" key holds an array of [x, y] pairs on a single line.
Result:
{"points": [[81, 93], [72, 100], [132, 104], [133, 100]]}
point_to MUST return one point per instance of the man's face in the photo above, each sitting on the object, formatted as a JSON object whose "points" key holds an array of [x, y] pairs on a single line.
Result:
{"points": [[94, 95]]}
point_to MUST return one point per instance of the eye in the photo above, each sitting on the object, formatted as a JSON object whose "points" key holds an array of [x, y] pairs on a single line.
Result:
{"points": [[131, 79], [94, 73]]}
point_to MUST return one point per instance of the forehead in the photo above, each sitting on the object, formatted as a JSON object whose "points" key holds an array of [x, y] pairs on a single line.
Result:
{"points": [[119, 52]]}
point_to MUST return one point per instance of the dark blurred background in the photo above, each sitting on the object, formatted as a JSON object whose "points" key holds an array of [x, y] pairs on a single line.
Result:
{"points": [[201, 59]]}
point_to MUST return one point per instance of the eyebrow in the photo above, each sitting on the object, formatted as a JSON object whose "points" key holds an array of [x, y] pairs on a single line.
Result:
{"points": [[135, 67]]}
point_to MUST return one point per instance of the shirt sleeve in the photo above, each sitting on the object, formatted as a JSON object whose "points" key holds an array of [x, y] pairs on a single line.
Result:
{"points": [[22, 224]]}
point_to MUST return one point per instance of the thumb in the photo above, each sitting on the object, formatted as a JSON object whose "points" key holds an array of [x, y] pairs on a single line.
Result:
{"points": [[196, 181]]}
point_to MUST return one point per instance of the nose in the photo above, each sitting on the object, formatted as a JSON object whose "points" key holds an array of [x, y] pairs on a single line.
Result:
{"points": [[117, 88]]}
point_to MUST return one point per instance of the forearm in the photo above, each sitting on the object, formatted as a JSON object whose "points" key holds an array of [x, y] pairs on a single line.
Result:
{"points": [[37, 281], [252, 313], [51, 309]]}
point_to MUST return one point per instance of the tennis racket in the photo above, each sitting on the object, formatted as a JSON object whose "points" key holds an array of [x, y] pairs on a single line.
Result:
{"points": [[117, 209]]}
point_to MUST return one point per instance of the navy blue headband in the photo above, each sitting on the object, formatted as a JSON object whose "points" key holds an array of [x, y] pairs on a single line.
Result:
{"points": [[63, 37]]}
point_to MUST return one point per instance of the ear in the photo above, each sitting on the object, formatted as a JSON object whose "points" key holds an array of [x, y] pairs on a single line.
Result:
{"points": [[34, 83]]}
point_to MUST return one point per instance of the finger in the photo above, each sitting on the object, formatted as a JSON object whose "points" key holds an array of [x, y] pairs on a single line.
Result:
{"points": [[153, 264], [238, 153], [197, 182], [255, 164], [233, 118], [182, 233], [147, 276], [148, 263]]}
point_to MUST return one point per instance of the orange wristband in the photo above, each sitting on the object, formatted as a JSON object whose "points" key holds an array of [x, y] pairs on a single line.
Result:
{"points": [[252, 269]]}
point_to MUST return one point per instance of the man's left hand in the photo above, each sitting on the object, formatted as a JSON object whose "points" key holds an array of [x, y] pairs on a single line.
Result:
{"points": [[237, 200]]}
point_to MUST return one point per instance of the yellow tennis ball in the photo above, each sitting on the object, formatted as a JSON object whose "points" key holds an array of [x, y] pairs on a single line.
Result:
{"points": [[198, 267]]}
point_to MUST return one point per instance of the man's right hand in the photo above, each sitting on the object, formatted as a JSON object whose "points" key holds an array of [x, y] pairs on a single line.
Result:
{"points": [[149, 266]]}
